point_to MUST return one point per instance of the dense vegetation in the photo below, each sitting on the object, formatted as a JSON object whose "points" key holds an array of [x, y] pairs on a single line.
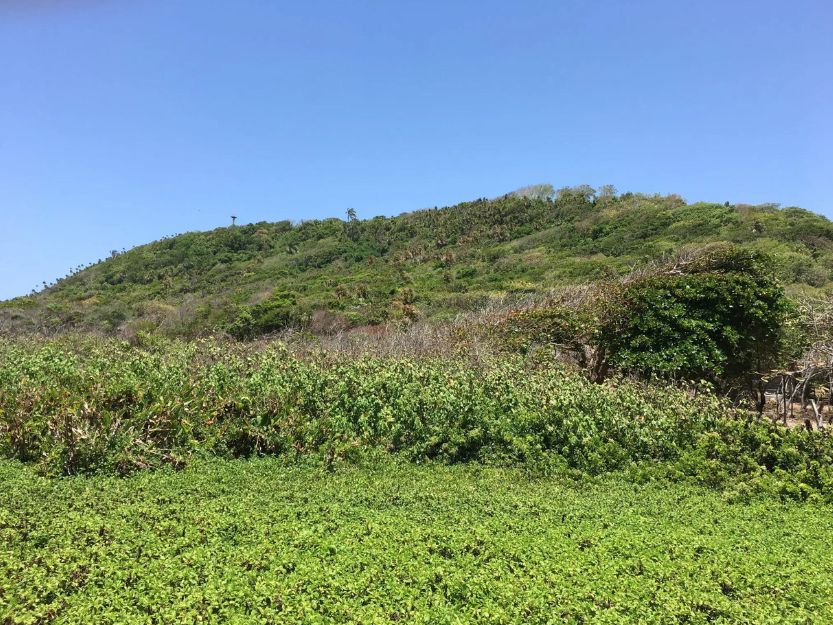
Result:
{"points": [[332, 274], [717, 314], [83, 405], [603, 451], [255, 542]]}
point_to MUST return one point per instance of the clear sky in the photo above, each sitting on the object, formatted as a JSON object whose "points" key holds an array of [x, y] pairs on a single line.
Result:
{"points": [[125, 120]]}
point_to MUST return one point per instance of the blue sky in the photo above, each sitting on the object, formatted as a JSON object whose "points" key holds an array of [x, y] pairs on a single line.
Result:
{"points": [[125, 120]]}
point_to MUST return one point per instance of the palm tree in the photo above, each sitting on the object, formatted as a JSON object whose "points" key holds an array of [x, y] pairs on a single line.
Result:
{"points": [[350, 227]]}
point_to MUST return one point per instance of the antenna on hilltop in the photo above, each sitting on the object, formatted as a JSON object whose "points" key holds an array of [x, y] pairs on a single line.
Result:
{"points": [[233, 219]]}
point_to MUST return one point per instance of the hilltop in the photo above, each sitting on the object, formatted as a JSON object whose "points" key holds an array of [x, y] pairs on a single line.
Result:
{"points": [[335, 274]]}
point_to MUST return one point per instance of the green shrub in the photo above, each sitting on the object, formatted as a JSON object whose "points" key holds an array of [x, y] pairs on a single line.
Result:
{"points": [[279, 312], [81, 405], [107, 405], [720, 319], [720, 316]]}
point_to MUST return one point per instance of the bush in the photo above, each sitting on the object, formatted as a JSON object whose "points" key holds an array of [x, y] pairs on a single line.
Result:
{"points": [[719, 319], [85, 406], [107, 406], [279, 312], [719, 316]]}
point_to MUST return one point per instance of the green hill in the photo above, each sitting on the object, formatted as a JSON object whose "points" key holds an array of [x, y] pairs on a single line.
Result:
{"points": [[334, 274]]}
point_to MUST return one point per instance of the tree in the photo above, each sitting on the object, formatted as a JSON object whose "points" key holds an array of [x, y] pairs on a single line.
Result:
{"points": [[535, 192], [716, 317], [582, 191], [351, 229]]}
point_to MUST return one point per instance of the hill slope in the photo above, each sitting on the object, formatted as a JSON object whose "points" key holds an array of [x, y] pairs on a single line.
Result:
{"points": [[336, 274]]}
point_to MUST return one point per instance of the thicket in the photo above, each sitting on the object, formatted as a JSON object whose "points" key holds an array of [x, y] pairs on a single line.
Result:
{"points": [[277, 313], [717, 315], [82, 405]]}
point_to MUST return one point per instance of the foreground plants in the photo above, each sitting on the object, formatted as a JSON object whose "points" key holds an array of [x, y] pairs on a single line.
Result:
{"points": [[258, 542], [96, 405], [84, 405]]}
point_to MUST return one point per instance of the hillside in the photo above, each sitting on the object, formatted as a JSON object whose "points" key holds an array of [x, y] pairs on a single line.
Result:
{"points": [[334, 274]]}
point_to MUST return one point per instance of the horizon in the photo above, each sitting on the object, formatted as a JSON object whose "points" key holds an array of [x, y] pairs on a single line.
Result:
{"points": [[124, 124]]}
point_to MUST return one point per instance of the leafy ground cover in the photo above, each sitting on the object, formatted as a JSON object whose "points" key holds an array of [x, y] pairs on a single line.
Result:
{"points": [[257, 541]]}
